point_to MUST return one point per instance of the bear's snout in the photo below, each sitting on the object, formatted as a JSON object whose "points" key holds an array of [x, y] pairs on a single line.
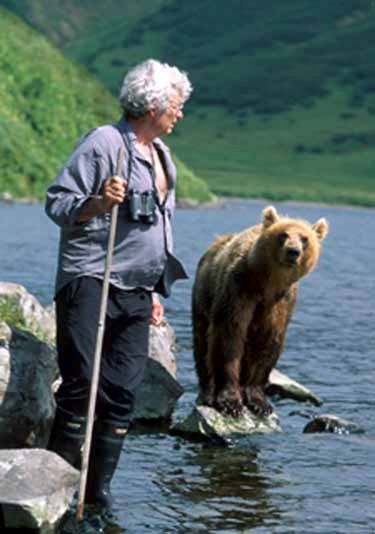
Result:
{"points": [[292, 254]]}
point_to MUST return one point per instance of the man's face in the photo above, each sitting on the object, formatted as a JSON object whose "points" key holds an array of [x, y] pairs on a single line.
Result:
{"points": [[165, 122]]}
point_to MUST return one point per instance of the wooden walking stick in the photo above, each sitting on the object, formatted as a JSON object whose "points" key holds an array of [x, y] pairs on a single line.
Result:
{"points": [[98, 350]]}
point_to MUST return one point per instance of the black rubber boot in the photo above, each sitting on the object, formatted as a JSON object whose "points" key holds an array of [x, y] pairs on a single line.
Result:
{"points": [[67, 437], [108, 437]]}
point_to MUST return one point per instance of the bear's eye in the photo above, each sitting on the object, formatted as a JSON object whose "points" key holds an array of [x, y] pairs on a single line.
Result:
{"points": [[304, 241], [282, 237]]}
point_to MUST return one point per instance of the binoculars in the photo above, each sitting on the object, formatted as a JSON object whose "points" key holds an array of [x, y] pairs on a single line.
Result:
{"points": [[141, 206]]}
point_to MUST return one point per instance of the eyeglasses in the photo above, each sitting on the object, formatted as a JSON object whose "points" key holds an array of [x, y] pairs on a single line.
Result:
{"points": [[176, 107]]}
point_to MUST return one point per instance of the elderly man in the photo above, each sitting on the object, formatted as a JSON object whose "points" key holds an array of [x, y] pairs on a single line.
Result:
{"points": [[79, 201]]}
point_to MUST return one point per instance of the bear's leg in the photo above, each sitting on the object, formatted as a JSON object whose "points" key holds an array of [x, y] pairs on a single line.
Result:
{"points": [[255, 399], [205, 378], [262, 354], [224, 355]]}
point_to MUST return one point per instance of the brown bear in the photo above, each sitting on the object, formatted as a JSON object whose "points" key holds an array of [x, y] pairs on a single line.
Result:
{"points": [[244, 293]]}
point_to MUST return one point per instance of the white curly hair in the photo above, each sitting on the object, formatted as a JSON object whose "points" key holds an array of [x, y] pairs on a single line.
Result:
{"points": [[151, 84]]}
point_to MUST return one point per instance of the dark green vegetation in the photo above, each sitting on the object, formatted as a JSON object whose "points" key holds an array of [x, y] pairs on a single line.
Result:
{"points": [[284, 98], [46, 104]]}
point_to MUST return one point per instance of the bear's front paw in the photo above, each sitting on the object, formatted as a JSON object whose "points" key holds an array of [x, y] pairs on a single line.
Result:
{"points": [[256, 401], [229, 403], [206, 397]]}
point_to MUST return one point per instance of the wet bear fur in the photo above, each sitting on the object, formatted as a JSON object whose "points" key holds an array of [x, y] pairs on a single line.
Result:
{"points": [[244, 293]]}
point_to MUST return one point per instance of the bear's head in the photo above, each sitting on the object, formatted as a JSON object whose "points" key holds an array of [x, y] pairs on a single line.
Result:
{"points": [[293, 244]]}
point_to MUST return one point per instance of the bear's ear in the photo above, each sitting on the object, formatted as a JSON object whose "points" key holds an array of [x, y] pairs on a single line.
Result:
{"points": [[269, 216], [321, 228]]}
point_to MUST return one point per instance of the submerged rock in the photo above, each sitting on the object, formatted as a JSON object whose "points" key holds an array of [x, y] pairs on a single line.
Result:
{"points": [[331, 423], [207, 423], [36, 489], [282, 386]]}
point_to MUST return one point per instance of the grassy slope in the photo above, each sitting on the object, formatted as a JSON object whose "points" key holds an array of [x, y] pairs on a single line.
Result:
{"points": [[284, 91], [295, 155], [46, 103]]}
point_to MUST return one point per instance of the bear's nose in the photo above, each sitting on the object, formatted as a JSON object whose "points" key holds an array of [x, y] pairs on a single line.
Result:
{"points": [[292, 253]]}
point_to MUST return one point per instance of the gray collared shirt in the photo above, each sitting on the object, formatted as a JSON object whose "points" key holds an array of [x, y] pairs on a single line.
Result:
{"points": [[140, 248]]}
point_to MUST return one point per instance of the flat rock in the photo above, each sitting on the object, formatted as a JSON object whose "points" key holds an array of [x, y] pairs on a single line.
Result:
{"points": [[36, 489], [284, 387], [207, 423]]}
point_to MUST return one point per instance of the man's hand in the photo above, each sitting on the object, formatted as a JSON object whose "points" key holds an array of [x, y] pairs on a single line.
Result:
{"points": [[157, 311], [114, 190]]}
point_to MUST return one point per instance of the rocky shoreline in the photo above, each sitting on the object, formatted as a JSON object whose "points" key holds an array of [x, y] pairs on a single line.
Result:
{"points": [[8, 198], [37, 499]]}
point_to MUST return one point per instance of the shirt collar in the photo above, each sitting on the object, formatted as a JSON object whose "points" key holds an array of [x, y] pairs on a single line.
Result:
{"points": [[124, 126]]}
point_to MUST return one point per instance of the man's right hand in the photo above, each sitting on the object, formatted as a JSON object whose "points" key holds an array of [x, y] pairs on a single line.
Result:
{"points": [[114, 191]]}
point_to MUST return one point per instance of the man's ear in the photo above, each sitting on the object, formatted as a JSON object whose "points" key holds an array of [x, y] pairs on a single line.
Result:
{"points": [[152, 112]]}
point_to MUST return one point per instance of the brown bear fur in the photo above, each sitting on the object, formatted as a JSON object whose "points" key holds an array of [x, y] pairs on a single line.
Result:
{"points": [[243, 297]]}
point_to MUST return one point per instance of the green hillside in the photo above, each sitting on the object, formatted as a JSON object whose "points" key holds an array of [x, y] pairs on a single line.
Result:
{"points": [[67, 21], [267, 56], [46, 103], [284, 97]]}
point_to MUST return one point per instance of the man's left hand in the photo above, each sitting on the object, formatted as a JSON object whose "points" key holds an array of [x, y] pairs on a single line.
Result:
{"points": [[157, 311]]}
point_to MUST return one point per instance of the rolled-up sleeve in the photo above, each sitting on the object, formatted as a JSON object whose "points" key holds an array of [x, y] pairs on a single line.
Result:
{"points": [[79, 179]]}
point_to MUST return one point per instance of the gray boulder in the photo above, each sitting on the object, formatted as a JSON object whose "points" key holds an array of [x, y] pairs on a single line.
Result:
{"points": [[160, 390], [27, 371], [163, 346], [36, 489]]}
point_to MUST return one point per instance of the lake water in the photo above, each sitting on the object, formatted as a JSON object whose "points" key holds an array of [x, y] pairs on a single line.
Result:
{"points": [[287, 482]]}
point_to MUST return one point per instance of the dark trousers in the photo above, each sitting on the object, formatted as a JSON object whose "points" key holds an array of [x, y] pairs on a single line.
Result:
{"points": [[125, 347]]}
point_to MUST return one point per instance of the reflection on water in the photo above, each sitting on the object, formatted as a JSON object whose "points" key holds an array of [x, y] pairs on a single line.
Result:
{"points": [[221, 489], [287, 482]]}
